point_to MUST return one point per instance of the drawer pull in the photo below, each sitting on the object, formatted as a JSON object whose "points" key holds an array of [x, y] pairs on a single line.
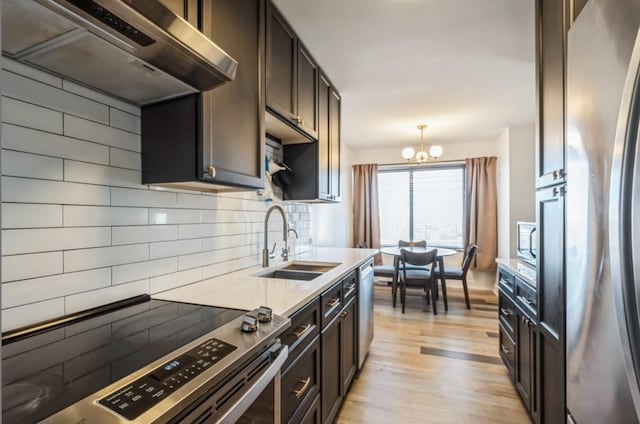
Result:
{"points": [[302, 331], [334, 302], [505, 282], [344, 314], [528, 301], [301, 390], [505, 349], [506, 312], [351, 287]]}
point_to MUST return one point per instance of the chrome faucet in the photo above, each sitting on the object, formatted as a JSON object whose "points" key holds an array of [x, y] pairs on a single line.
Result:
{"points": [[285, 249]]}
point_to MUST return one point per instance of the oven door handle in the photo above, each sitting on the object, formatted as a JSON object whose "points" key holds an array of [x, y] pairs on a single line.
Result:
{"points": [[236, 411]]}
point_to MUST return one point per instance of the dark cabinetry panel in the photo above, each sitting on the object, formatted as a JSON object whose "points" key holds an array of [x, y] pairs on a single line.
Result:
{"points": [[188, 9], [214, 139], [301, 383], [349, 354], [525, 376], [324, 157], [331, 397], [281, 65], [334, 144], [307, 90]]}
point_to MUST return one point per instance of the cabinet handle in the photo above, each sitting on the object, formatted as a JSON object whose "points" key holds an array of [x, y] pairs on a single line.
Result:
{"points": [[298, 120], [344, 314], [529, 323], [506, 312], [505, 282], [301, 390], [558, 174], [302, 331], [211, 171], [351, 287], [505, 350], [558, 191], [333, 302], [527, 300]]}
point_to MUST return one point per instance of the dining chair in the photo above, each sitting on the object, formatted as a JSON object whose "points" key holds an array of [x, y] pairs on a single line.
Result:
{"points": [[419, 275], [460, 273], [388, 271]]}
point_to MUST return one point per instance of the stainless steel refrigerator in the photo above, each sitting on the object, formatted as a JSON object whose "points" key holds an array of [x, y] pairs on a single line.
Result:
{"points": [[603, 214]]}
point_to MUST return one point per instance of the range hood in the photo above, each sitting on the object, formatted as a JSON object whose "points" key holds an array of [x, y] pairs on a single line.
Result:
{"points": [[137, 50]]}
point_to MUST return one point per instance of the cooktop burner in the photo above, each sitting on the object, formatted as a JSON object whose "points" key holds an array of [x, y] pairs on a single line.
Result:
{"points": [[48, 371]]}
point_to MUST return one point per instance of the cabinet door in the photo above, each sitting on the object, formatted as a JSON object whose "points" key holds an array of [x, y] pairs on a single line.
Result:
{"points": [[187, 9], [551, 300], [307, 91], [523, 359], [348, 354], [324, 159], [331, 370], [281, 65], [552, 24], [334, 144], [233, 114]]}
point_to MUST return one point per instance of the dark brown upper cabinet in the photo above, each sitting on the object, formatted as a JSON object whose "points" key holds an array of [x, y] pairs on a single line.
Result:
{"points": [[214, 140], [292, 80], [316, 166], [187, 9]]}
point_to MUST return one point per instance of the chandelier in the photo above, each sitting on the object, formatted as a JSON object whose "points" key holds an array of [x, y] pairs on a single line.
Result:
{"points": [[422, 156]]}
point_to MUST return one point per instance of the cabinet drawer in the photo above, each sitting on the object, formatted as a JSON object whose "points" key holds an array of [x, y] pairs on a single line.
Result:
{"points": [[331, 303], [301, 382], [305, 325], [526, 298], [508, 351], [349, 286], [506, 281], [311, 415], [507, 313]]}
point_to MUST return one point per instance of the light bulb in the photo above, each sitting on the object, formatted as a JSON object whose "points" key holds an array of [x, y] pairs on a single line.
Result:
{"points": [[436, 151], [421, 157], [408, 153]]}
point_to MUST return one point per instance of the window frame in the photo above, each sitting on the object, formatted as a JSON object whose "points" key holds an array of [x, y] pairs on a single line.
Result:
{"points": [[421, 167]]}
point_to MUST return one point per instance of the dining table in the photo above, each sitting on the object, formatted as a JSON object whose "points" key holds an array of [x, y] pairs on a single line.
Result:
{"points": [[395, 251]]}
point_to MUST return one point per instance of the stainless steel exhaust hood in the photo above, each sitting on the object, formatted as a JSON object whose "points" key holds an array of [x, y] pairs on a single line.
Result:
{"points": [[137, 50]]}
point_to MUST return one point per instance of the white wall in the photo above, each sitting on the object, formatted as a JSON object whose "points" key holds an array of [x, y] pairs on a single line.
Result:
{"points": [[78, 228], [332, 222]]}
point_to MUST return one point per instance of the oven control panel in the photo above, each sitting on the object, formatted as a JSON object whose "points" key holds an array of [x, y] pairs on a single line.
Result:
{"points": [[134, 399]]}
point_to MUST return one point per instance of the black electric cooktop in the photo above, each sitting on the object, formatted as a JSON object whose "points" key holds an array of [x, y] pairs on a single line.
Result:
{"points": [[47, 370]]}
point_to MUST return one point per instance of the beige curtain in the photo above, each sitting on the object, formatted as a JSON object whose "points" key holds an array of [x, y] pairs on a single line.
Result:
{"points": [[482, 214], [366, 215]]}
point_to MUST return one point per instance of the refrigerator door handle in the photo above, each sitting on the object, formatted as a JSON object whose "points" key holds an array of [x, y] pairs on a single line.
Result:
{"points": [[623, 207]]}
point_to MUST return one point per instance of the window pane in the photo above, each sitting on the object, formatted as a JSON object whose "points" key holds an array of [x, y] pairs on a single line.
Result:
{"points": [[438, 206], [394, 207]]}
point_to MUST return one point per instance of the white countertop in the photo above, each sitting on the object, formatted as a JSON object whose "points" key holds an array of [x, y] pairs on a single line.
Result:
{"points": [[244, 290], [520, 268]]}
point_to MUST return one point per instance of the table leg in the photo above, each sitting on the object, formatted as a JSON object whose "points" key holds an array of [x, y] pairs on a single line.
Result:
{"points": [[394, 280], [443, 281]]}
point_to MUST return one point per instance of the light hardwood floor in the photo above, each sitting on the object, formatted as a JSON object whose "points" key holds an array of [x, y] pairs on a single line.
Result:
{"points": [[458, 377]]}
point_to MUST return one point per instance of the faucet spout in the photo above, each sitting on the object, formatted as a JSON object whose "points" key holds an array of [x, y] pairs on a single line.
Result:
{"points": [[265, 251]]}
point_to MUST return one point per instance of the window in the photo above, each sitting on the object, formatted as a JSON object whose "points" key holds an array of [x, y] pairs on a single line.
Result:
{"points": [[422, 203]]}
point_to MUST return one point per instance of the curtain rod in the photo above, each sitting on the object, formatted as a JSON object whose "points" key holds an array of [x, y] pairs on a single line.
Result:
{"points": [[419, 165]]}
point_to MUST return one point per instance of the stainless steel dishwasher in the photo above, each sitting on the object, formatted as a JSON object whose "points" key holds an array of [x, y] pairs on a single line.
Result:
{"points": [[365, 311]]}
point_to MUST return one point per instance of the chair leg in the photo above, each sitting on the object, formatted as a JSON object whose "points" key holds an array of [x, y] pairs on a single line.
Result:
{"points": [[403, 295], [444, 294], [394, 292], [466, 292], [433, 295]]}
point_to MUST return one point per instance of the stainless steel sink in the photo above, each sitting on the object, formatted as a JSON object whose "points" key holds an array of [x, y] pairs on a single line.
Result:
{"points": [[321, 267], [291, 274]]}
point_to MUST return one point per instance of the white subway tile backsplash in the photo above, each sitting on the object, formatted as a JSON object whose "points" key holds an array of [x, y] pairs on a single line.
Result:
{"points": [[27, 215], [28, 90], [143, 198], [196, 201], [82, 172], [32, 313], [77, 260], [140, 270], [19, 164], [90, 299], [144, 234], [96, 216], [99, 133], [124, 121], [173, 280], [174, 248], [30, 72], [26, 190], [125, 159], [42, 143], [35, 240], [39, 289], [174, 216], [29, 115], [110, 237], [20, 267], [83, 91]]}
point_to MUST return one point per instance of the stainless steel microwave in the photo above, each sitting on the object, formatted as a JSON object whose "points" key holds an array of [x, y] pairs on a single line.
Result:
{"points": [[526, 241]]}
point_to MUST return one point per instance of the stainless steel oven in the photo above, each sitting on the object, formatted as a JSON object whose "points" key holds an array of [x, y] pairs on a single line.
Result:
{"points": [[146, 361]]}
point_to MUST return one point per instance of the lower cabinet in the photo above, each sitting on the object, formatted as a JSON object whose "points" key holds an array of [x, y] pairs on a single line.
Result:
{"points": [[331, 372], [526, 369], [300, 384], [349, 352]]}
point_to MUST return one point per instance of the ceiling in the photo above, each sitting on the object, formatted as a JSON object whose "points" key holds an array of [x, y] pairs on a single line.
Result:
{"points": [[463, 67]]}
